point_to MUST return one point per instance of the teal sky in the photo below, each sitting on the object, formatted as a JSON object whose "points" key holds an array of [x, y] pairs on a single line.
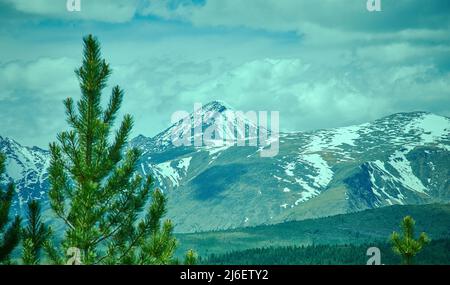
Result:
{"points": [[321, 63]]}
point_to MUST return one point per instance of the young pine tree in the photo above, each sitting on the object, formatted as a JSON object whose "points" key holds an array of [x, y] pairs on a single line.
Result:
{"points": [[9, 231], [190, 258], [406, 246], [34, 235], [94, 188]]}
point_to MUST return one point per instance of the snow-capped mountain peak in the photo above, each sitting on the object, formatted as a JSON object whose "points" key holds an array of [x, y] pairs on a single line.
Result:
{"points": [[398, 159], [217, 117]]}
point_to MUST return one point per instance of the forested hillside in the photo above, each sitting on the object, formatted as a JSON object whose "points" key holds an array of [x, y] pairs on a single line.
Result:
{"points": [[437, 252]]}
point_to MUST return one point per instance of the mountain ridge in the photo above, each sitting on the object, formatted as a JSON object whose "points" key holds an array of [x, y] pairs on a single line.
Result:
{"points": [[398, 159], [380, 160]]}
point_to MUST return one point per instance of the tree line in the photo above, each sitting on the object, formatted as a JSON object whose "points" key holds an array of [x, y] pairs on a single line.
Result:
{"points": [[436, 253]]}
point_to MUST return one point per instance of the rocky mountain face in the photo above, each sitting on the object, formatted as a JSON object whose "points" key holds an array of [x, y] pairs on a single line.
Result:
{"points": [[400, 159], [27, 168]]}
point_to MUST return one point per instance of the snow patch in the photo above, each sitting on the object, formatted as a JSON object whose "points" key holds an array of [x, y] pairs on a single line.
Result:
{"points": [[407, 177], [217, 146], [14, 169], [166, 170], [324, 174], [346, 135], [288, 169], [432, 127], [143, 169], [184, 163]]}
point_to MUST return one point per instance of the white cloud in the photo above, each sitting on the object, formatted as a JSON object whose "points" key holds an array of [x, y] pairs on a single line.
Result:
{"points": [[398, 52], [320, 23], [115, 11], [275, 15], [31, 98], [331, 75], [308, 96], [42, 77], [31, 108], [311, 97], [283, 15]]}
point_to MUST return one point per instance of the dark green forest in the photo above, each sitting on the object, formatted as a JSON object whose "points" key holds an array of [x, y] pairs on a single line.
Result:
{"points": [[436, 253], [367, 227]]}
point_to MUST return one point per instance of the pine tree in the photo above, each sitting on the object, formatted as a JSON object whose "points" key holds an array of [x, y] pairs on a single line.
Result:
{"points": [[9, 231], [34, 235], [406, 246], [94, 188], [190, 258]]}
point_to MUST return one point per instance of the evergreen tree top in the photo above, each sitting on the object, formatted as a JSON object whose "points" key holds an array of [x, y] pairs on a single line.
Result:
{"points": [[94, 187]]}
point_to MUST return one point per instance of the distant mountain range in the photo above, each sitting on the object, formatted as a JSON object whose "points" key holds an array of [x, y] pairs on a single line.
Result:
{"points": [[400, 159]]}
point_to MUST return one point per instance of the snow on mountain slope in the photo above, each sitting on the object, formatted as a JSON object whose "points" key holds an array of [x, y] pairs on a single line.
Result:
{"points": [[26, 167], [399, 159], [358, 167], [213, 113], [430, 127]]}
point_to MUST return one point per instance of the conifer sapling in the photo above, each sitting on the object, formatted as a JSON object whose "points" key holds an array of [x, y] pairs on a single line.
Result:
{"points": [[95, 190]]}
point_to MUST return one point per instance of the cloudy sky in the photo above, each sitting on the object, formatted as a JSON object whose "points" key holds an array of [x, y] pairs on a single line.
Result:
{"points": [[321, 63]]}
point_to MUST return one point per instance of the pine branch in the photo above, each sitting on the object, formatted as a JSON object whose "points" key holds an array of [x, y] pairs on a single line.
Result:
{"points": [[9, 233], [2, 163], [34, 235], [113, 106], [52, 253], [11, 238]]}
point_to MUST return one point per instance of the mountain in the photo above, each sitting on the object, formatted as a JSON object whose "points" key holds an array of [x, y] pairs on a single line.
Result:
{"points": [[397, 160], [27, 168]]}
